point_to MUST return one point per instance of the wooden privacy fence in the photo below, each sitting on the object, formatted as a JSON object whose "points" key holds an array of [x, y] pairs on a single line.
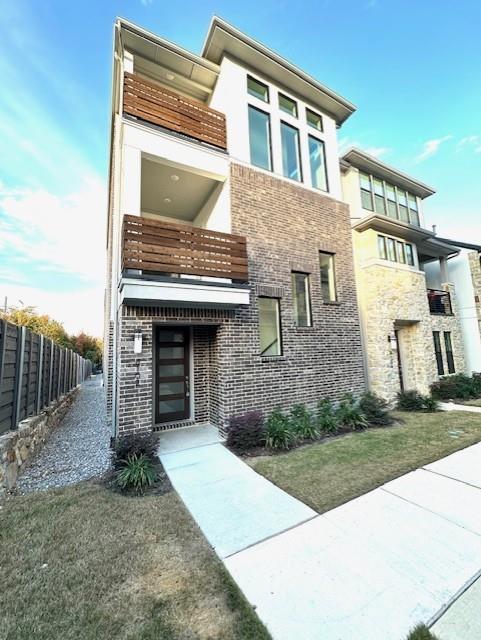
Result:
{"points": [[156, 104], [169, 248], [34, 372]]}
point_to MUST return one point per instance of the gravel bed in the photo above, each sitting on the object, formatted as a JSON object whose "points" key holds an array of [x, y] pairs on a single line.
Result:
{"points": [[78, 449]]}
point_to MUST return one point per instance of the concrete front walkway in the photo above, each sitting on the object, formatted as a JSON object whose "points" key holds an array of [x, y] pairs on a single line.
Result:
{"points": [[368, 570]]}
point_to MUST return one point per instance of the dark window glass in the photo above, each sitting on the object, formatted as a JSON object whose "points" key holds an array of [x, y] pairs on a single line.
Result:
{"points": [[409, 254], [401, 256], [291, 160], [438, 353], [328, 277], [366, 192], [391, 250], [314, 119], [260, 138], [301, 298], [288, 105], [379, 202], [449, 352], [257, 89], [317, 159], [269, 327], [391, 201], [413, 210], [381, 244]]}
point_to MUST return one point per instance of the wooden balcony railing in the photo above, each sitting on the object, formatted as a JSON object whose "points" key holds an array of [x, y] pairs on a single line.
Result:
{"points": [[167, 248], [440, 302], [153, 103]]}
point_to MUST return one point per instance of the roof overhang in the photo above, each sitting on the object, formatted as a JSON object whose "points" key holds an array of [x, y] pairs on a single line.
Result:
{"points": [[461, 245], [434, 248], [392, 227], [365, 162], [161, 54], [222, 38]]}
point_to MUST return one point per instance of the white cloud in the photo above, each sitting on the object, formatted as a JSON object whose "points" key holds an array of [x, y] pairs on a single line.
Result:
{"points": [[66, 233], [431, 147], [346, 143], [377, 152]]}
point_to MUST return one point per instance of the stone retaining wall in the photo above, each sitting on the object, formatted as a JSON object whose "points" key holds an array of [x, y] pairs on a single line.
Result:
{"points": [[17, 447]]}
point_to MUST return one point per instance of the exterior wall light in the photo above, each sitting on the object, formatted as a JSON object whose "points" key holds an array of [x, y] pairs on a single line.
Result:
{"points": [[138, 342]]}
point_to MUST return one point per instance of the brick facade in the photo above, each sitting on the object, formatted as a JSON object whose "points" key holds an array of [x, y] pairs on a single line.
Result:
{"points": [[286, 226]]}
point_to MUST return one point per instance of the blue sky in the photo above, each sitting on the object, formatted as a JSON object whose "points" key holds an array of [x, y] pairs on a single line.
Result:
{"points": [[412, 68]]}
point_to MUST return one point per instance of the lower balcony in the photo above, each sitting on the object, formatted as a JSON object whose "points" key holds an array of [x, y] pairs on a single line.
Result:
{"points": [[182, 265], [440, 302]]}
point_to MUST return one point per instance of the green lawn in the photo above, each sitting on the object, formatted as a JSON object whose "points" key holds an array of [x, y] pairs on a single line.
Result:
{"points": [[86, 563], [329, 473], [472, 403]]}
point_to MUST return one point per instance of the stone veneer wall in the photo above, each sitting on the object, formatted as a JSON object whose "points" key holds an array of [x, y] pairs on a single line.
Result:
{"points": [[18, 446], [395, 298], [475, 267]]}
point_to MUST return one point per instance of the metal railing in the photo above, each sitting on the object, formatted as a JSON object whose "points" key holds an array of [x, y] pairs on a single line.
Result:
{"points": [[440, 302]]}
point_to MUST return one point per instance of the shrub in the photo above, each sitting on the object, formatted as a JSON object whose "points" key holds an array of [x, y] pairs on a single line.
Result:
{"points": [[327, 420], [421, 632], [246, 431], [136, 472], [430, 404], [457, 386], [375, 410], [410, 400], [279, 434], [350, 415], [302, 423], [139, 445]]}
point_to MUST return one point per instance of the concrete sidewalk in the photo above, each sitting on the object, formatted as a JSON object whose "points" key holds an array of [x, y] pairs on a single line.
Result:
{"points": [[368, 570]]}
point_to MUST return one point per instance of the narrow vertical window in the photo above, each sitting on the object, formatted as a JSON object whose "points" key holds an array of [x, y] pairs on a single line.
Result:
{"points": [[269, 327], [379, 202], [257, 89], [291, 157], [301, 299], [410, 254], [413, 210], [260, 138], [366, 192], [317, 159], [438, 353], [401, 256], [449, 352], [391, 250], [381, 245], [391, 201], [328, 277], [403, 205]]}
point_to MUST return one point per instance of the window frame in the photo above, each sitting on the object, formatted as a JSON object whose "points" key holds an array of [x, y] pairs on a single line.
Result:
{"points": [[307, 295], [326, 174], [278, 327], [448, 342], [255, 95], [269, 129], [394, 243], [438, 352], [318, 115], [284, 110], [283, 123], [411, 215], [370, 192], [332, 270]]}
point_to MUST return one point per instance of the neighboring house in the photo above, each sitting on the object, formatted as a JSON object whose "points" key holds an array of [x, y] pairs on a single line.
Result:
{"points": [[411, 324], [465, 274], [231, 279]]}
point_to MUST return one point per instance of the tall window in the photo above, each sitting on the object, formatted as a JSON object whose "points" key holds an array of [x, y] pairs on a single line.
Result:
{"points": [[328, 277], [379, 202], [381, 245], [301, 298], [269, 327], [413, 210], [291, 158], [449, 352], [257, 89], [438, 353], [366, 191], [260, 138], [403, 205], [409, 254], [391, 249], [391, 201], [317, 159]]}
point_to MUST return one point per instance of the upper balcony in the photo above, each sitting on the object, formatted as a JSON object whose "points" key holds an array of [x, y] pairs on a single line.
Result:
{"points": [[182, 265], [440, 302], [155, 104]]}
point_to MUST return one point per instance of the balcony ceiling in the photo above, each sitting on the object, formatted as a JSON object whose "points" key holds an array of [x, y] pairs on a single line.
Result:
{"points": [[187, 195]]}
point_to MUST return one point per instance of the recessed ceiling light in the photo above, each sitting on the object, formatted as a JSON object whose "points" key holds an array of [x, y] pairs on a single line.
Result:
{"points": [[169, 76], [167, 200], [174, 177]]}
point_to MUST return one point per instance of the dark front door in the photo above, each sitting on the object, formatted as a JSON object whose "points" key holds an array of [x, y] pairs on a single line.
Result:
{"points": [[172, 374], [399, 361]]}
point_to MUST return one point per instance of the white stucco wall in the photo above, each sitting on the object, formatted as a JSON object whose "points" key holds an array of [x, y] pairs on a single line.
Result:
{"points": [[231, 97]]}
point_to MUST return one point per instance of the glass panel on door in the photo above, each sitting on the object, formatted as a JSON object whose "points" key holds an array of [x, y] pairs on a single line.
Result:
{"points": [[172, 401]]}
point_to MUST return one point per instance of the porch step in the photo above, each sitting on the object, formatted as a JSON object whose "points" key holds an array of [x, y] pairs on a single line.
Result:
{"points": [[188, 438]]}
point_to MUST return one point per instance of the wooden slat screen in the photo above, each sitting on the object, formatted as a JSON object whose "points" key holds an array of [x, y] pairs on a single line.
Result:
{"points": [[158, 105], [169, 248]]}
